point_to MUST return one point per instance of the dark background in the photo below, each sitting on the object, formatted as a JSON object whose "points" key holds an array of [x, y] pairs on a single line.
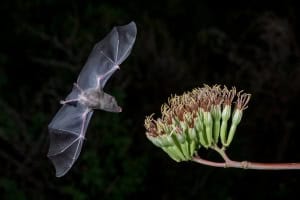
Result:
{"points": [[180, 45]]}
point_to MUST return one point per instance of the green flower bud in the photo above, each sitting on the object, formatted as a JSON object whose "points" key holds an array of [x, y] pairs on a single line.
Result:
{"points": [[216, 114], [226, 112], [196, 119], [236, 119], [192, 134], [155, 141], [203, 139], [193, 140], [231, 134], [208, 122], [237, 116], [173, 154], [225, 117], [184, 145], [165, 140]]}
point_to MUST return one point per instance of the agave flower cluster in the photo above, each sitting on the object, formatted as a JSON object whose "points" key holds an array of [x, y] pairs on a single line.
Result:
{"points": [[197, 119]]}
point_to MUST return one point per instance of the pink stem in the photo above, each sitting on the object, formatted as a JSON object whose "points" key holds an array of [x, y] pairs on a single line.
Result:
{"points": [[248, 165]]}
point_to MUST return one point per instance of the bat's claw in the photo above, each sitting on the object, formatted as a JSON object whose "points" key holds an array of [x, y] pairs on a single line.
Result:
{"points": [[71, 101]]}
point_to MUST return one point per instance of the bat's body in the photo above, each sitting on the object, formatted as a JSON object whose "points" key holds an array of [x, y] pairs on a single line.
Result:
{"points": [[68, 127]]}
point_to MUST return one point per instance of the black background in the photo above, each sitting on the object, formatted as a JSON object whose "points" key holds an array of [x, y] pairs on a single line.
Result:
{"points": [[180, 45]]}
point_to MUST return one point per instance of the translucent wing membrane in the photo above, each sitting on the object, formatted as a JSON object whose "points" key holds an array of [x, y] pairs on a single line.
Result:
{"points": [[68, 127], [65, 160], [106, 55], [67, 132]]}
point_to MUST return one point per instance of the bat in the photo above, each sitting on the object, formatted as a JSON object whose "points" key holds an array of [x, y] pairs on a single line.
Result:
{"points": [[68, 127]]}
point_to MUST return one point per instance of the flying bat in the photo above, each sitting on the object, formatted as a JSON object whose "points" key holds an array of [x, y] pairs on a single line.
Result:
{"points": [[68, 127]]}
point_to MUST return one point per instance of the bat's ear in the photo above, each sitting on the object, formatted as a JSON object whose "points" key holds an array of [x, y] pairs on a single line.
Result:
{"points": [[109, 103]]}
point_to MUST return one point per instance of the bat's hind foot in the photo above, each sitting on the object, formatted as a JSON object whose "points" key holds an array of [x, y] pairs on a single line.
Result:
{"points": [[62, 102], [68, 101]]}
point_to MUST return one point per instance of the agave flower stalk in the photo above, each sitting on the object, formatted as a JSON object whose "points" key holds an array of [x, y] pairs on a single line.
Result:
{"points": [[201, 118], [192, 120], [228, 163]]}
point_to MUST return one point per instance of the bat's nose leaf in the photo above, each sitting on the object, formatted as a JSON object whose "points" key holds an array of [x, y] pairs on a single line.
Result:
{"points": [[64, 161]]}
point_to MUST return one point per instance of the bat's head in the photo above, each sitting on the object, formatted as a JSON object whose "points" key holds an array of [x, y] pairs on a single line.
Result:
{"points": [[109, 103]]}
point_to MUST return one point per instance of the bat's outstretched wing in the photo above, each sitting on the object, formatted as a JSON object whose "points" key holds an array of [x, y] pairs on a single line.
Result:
{"points": [[106, 56], [68, 127], [67, 131]]}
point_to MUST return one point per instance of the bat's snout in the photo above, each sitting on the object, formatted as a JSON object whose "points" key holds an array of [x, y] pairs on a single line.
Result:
{"points": [[120, 109]]}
